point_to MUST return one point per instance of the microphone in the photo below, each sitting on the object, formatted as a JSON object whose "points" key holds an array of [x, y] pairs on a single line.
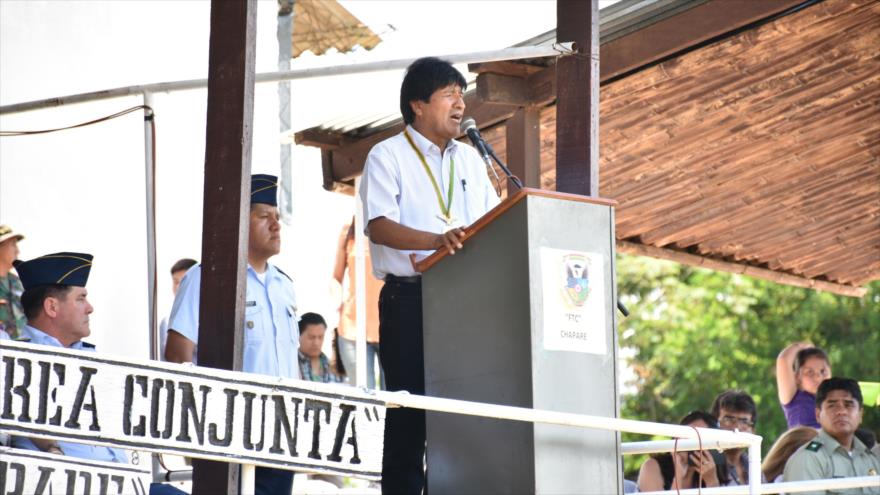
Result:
{"points": [[469, 127]]}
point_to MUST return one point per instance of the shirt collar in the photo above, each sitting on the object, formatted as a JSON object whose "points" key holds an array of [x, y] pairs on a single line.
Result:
{"points": [[425, 145], [833, 444], [41, 337]]}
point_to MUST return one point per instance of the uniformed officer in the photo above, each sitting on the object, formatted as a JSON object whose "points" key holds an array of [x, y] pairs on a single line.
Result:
{"points": [[836, 452], [56, 304], [271, 340], [12, 318]]}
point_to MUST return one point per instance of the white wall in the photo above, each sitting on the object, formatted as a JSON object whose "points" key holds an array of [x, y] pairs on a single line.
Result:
{"points": [[83, 190]]}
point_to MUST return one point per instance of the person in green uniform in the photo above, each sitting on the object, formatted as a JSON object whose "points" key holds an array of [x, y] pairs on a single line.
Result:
{"points": [[836, 452], [12, 319]]}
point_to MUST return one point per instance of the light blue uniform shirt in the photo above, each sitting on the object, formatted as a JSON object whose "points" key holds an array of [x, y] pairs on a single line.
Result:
{"points": [[271, 333], [83, 451]]}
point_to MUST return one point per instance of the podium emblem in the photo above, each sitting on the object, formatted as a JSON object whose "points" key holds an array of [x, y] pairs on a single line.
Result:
{"points": [[577, 281]]}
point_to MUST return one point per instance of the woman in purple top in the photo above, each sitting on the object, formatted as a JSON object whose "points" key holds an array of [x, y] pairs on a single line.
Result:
{"points": [[800, 368]]}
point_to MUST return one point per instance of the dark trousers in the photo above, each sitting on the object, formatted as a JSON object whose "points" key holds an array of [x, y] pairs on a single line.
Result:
{"points": [[401, 352], [270, 481]]}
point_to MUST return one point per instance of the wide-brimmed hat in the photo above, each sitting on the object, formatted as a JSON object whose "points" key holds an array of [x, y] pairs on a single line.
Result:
{"points": [[7, 233]]}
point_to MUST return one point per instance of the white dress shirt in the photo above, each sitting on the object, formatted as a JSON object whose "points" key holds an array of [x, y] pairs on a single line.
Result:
{"points": [[396, 186], [271, 329]]}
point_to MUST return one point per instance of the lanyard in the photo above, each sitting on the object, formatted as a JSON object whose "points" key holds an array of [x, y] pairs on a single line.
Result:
{"points": [[444, 208]]}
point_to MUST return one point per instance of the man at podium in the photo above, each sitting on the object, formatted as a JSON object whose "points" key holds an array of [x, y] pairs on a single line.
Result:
{"points": [[418, 190]]}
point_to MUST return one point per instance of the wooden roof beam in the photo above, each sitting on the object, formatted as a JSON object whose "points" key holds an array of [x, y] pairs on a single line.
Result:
{"points": [[743, 269]]}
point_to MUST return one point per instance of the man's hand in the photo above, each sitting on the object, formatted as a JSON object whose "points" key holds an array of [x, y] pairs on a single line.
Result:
{"points": [[450, 241]]}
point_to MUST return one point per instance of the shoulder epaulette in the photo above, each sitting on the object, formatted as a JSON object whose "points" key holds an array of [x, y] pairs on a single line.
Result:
{"points": [[22, 339], [814, 446], [282, 272], [88, 346]]}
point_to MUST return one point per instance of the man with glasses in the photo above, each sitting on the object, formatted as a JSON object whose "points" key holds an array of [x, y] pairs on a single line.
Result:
{"points": [[836, 452], [736, 411]]}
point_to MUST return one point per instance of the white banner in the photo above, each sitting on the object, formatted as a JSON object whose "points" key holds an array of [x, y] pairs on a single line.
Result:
{"points": [[24, 472], [573, 293], [51, 392]]}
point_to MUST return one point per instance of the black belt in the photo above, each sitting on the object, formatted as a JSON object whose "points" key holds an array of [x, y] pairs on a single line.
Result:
{"points": [[394, 279]]}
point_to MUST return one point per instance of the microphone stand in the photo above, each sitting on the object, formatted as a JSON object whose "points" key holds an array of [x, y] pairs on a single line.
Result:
{"points": [[513, 178]]}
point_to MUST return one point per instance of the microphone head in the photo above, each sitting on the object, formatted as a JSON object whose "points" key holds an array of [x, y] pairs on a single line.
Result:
{"points": [[467, 124]]}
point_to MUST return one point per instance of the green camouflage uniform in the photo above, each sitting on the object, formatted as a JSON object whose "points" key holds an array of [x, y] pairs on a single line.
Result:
{"points": [[12, 318], [825, 458]]}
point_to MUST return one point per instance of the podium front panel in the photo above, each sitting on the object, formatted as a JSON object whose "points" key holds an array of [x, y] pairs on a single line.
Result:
{"points": [[485, 341]]}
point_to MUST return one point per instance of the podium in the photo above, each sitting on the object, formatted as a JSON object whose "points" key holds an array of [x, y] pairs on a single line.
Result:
{"points": [[524, 316]]}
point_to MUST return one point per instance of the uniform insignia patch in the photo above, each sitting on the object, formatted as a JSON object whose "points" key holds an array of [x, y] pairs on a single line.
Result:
{"points": [[814, 446]]}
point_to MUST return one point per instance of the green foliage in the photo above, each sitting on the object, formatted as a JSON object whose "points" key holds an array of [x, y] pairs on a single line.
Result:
{"points": [[694, 333]]}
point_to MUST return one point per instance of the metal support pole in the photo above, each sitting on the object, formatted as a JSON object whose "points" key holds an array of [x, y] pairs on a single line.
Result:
{"points": [[150, 184], [360, 292], [755, 467], [248, 478]]}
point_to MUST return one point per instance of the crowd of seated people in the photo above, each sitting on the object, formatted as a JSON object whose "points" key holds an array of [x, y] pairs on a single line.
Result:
{"points": [[824, 439]]}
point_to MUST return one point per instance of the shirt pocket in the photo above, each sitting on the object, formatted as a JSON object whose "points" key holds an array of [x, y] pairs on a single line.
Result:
{"points": [[253, 323]]}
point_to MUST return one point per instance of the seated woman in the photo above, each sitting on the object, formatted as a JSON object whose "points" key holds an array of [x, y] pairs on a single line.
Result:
{"points": [[684, 469], [779, 453], [800, 368]]}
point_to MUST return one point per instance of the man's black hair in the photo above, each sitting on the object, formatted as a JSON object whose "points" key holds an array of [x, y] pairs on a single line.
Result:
{"points": [[804, 354], [32, 299], [737, 401], [837, 383], [310, 319], [183, 264], [423, 77]]}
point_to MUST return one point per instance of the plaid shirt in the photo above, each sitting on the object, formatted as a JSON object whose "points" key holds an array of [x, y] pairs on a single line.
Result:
{"points": [[326, 376], [12, 318]]}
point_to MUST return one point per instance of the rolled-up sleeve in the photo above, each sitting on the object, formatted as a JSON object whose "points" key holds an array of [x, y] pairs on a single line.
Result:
{"points": [[380, 186]]}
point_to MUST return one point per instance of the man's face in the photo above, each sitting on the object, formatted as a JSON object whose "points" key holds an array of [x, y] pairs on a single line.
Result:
{"points": [[176, 277], [8, 251], [72, 314], [264, 239], [735, 420], [441, 116], [812, 373], [839, 414], [312, 339]]}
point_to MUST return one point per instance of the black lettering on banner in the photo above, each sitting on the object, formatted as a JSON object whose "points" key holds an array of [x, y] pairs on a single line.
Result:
{"points": [[140, 429], [169, 408], [45, 476], [281, 422], [316, 406], [78, 403], [19, 390], [104, 481], [120, 482], [71, 481], [188, 408], [19, 477], [340, 432], [230, 414], [248, 420], [45, 379], [87, 481]]}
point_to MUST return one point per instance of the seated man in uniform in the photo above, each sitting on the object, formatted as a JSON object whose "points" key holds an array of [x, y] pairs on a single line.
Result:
{"points": [[270, 327], [836, 452], [57, 308]]}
